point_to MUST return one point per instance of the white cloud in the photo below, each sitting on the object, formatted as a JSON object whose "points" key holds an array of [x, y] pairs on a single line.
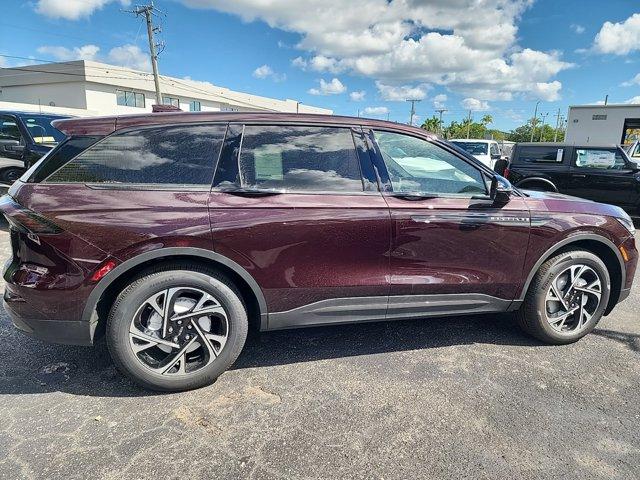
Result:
{"points": [[413, 42], [334, 87], [577, 28], [318, 63], [619, 38], [130, 56], [401, 93], [474, 105], [357, 95], [375, 111], [85, 52], [635, 99], [265, 71], [72, 9], [634, 81], [438, 101]]}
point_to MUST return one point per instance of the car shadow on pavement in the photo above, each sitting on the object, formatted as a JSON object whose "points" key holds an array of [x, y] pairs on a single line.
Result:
{"points": [[629, 340], [30, 366]]}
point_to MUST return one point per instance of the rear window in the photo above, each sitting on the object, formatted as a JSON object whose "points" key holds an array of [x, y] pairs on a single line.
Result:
{"points": [[180, 155], [474, 148], [297, 158], [542, 154]]}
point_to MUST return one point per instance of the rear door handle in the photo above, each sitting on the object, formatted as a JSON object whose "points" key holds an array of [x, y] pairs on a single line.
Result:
{"points": [[579, 175]]}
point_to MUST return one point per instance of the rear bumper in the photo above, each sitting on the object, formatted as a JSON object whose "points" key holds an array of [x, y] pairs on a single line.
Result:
{"points": [[55, 331]]}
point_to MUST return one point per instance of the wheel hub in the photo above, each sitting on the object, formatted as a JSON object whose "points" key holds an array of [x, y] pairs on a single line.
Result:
{"points": [[572, 299], [178, 330]]}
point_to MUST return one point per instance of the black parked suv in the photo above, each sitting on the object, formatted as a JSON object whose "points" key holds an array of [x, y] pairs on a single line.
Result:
{"points": [[601, 173], [24, 138]]}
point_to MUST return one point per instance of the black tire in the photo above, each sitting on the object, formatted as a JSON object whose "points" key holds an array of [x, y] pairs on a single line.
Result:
{"points": [[537, 187], [10, 175], [532, 315], [152, 281]]}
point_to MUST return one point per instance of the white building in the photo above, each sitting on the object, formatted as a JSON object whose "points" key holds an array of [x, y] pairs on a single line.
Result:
{"points": [[603, 124], [87, 88]]}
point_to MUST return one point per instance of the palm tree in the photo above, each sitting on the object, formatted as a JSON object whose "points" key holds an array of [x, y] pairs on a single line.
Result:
{"points": [[431, 124], [487, 119]]}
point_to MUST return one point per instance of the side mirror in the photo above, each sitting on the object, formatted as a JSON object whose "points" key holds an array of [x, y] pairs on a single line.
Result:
{"points": [[501, 189], [496, 156]]}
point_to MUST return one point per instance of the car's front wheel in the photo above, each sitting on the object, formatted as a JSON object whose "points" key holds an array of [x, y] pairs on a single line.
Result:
{"points": [[177, 327], [566, 298]]}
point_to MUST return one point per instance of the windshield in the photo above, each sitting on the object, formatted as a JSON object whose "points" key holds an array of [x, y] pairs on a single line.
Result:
{"points": [[474, 148], [41, 130]]}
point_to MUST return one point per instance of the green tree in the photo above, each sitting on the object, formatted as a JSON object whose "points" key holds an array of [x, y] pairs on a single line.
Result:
{"points": [[487, 120], [545, 133], [431, 125]]}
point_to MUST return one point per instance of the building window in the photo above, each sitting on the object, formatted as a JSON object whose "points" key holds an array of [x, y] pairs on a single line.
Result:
{"points": [[130, 99], [171, 101], [194, 106]]}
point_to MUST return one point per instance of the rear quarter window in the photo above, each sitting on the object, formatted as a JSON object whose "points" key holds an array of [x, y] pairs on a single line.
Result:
{"points": [[178, 155], [542, 154]]}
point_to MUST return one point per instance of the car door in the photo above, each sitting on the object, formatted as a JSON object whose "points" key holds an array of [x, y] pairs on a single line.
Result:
{"points": [[603, 175], [298, 207], [454, 250], [12, 141]]}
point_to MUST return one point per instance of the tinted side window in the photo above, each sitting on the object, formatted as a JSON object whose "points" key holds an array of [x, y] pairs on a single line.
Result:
{"points": [[299, 158], [61, 155], [180, 155], [419, 166], [539, 154], [9, 129], [600, 158]]}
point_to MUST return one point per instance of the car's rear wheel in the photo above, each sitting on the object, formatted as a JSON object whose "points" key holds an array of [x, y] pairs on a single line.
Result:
{"points": [[10, 175], [567, 297], [177, 327]]}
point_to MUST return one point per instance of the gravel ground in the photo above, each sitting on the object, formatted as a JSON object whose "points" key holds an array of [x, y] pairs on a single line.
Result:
{"points": [[467, 397]]}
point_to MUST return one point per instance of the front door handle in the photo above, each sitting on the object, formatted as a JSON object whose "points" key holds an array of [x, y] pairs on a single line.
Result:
{"points": [[579, 175]]}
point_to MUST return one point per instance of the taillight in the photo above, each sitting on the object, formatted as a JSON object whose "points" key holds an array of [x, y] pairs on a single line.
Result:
{"points": [[25, 220]]}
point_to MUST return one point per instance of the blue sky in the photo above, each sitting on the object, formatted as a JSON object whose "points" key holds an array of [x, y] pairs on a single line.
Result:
{"points": [[499, 57]]}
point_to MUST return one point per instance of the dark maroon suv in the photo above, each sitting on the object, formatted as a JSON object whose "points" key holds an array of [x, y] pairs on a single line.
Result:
{"points": [[171, 233]]}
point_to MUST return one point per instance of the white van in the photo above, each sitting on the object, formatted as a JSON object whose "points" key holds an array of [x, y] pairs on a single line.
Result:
{"points": [[487, 151]]}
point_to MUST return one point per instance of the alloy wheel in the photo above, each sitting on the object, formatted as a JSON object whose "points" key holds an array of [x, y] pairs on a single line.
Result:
{"points": [[178, 331], [573, 298]]}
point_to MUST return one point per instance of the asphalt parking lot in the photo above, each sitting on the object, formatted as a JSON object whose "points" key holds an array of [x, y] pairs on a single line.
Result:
{"points": [[467, 397]]}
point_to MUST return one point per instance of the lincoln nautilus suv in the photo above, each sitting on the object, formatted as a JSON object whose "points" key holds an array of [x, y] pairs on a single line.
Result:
{"points": [[173, 234]]}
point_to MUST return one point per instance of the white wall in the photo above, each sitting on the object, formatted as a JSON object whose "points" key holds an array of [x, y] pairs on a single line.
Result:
{"points": [[70, 94], [582, 129]]}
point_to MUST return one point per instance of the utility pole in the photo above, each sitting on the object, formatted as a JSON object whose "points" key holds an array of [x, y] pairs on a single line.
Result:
{"points": [[413, 110], [544, 118], [555, 135], [469, 124], [440, 111], [535, 119], [148, 12], [606, 99]]}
